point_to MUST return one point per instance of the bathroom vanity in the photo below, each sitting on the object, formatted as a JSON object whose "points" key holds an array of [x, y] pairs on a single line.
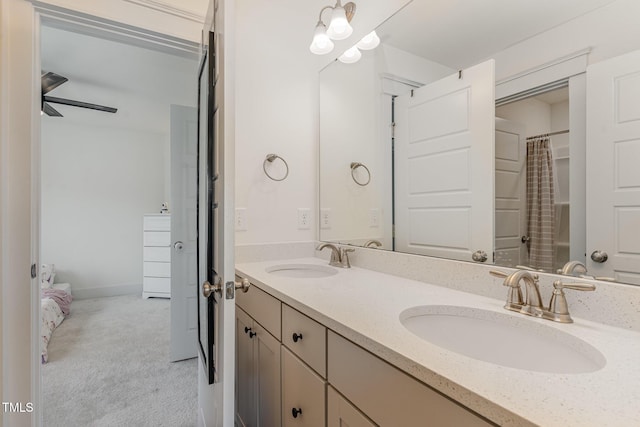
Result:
{"points": [[315, 341]]}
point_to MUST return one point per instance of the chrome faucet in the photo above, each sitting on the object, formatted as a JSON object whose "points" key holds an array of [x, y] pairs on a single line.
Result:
{"points": [[573, 268], [558, 309], [372, 244], [339, 256]]}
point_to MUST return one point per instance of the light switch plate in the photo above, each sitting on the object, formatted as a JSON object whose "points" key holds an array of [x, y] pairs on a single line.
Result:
{"points": [[241, 219]]}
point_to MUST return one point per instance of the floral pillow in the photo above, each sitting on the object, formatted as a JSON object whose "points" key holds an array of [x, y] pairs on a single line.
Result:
{"points": [[47, 274]]}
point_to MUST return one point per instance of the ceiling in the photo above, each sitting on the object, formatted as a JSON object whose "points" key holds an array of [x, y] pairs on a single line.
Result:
{"points": [[141, 83], [460, 33]]}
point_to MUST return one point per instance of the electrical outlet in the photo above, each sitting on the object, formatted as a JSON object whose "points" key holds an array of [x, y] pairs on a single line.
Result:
{"points": [[241, 219], [374, 217], [304, 218], [325, 218]]}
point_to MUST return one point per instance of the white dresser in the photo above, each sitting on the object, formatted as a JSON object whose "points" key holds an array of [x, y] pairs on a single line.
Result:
{"points": [[156, 257]]}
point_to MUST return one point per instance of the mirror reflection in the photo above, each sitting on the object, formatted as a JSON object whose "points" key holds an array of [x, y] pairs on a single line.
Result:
{"points": [[473, 148]]}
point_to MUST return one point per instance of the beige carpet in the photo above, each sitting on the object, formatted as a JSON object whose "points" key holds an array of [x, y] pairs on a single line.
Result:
{"points": [[108, 366]]}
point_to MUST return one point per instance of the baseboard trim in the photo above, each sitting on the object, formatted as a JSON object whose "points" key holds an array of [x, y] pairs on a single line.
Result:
{"points": [[107, 291]]}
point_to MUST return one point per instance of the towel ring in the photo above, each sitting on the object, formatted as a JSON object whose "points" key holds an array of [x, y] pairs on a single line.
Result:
{"points": [[271, 158], [356, 165]]}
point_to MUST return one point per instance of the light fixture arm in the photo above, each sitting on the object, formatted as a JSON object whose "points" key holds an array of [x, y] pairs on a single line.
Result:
{"points": [[349, 8], [320, 14]]}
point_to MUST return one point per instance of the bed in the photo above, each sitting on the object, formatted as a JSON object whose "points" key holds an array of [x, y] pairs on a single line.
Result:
{"points": [[55, 305]]}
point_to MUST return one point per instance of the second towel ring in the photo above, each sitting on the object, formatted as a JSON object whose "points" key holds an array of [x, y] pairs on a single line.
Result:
{"points": [[356, 165], [271, 158]]}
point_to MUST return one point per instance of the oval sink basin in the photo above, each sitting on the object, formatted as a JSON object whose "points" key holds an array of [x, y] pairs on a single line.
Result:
{"points": [[502, 339], [302, 270]]}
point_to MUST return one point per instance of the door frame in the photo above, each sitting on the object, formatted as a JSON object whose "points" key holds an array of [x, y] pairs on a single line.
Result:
{"points": [[20, 203]]}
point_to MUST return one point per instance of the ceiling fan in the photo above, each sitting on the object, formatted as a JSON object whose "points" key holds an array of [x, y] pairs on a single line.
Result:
{"points": [[51, 81]]}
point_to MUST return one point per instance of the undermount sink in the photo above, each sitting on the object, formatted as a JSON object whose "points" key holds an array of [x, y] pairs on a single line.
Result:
{"points": [[502, 339], [302, 270]]}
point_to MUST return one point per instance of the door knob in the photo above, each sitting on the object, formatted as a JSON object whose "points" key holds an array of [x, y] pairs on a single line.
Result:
{"points": [[479, 256], [243, 285], [208, 288], [178, 246], [599, 256], [525, 239]]}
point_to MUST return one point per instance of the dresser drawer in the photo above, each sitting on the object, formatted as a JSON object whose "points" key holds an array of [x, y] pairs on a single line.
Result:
{"points": [[156, 269], [302, 390], [264, 308], [305, 337], [157, 284], [157, 238], [156, 254], [157, 223]]}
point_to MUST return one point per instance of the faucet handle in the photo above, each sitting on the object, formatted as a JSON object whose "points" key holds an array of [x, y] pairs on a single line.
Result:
{"points": [[514, 297], [578, 286], [558, 307], [498, 273], [344, 256]]}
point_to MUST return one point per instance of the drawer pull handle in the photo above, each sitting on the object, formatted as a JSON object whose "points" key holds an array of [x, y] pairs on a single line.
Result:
{"points": [[252, 334], [295, 412], [246, 329], [296, 337]]}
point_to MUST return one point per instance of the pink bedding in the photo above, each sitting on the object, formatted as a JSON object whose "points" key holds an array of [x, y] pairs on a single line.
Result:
{"points": [[55, 305]]}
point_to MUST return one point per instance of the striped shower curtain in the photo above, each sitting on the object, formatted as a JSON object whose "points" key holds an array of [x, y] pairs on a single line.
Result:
{"points": [[541, 215]]}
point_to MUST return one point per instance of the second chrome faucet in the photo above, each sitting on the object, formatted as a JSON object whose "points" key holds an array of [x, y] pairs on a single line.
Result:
{"points": [[558, 309], [339, 255]]}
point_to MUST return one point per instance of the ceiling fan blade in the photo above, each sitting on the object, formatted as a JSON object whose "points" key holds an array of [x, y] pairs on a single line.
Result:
{"points": [[50, 111], [50, 81], [80, 104]]}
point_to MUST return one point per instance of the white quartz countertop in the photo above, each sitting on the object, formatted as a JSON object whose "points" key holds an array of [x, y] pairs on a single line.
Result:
{"points": [[364, 306]]}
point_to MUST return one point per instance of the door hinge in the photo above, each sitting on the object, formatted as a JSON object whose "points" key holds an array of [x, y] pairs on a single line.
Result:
{"points": [[393, 129], [34, 271]]}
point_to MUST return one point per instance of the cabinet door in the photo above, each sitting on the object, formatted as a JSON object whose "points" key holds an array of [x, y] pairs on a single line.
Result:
{"points": [[245, 385], [342, 413], [302, 394], [267, 373]]}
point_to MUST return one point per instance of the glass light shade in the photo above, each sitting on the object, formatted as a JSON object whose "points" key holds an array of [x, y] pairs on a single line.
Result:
{"points": [[350, 56], [321, 43], [370, 41], [339, 28]]}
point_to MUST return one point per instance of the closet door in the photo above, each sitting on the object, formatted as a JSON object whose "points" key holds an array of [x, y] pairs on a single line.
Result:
{"points": [[613, 176]]}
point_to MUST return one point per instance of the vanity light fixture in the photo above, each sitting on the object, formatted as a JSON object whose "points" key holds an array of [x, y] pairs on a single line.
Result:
{"points": [[339, 27], [370, 41], [350, 56]]}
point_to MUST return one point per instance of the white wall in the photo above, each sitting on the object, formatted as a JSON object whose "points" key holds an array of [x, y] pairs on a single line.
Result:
{"points": [[610, 31], [277, 110], [96, 185]]}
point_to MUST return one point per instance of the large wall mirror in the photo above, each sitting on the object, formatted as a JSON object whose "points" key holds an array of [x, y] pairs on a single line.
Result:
{"points": [[485, 132]]}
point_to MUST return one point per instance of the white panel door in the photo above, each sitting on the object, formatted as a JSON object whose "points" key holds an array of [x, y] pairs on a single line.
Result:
{"points": [[613, 175], [511, 199], [184, 187], [444, 166]]}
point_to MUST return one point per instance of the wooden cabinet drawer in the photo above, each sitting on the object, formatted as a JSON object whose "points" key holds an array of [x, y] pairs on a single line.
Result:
{"points": [[156, 254], [302, 390], [387, 395], [264, 308], [157, 238], [342, 413], [157, 284], [156, 269], [309, 342], [156, 223]]}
